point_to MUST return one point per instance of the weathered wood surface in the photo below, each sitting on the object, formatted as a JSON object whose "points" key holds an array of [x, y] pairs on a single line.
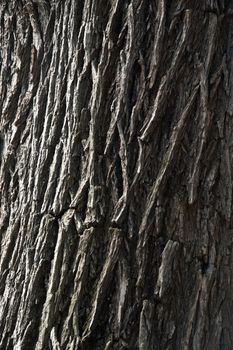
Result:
{"points": [[116, 161]]}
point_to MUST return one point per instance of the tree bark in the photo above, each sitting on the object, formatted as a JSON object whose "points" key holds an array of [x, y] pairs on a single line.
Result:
{"points": [[116, 156]]}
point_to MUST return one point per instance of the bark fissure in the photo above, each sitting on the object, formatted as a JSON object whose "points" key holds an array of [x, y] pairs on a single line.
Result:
{"points": [[116, 174]]}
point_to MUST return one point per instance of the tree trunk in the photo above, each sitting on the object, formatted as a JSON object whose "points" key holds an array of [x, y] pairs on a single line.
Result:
{"points": [[116, 154]]}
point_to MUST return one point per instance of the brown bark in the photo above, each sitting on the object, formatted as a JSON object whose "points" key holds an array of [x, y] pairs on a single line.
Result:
{"points": [[116, 174]]}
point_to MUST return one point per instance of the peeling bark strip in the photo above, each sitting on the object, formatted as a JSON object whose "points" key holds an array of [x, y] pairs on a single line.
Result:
{"points": [[116, 174]]}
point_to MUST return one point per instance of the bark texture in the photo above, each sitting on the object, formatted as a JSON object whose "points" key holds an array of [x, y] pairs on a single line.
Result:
{"points": [[116, 155]]}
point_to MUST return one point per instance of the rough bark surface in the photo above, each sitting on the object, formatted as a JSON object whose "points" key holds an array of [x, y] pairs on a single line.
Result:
{"points": [[116, 155]]}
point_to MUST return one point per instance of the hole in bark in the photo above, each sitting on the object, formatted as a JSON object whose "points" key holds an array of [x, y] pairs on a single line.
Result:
{"points": [[1, 146], [221, 345], [118, 172], [204, 267]]}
